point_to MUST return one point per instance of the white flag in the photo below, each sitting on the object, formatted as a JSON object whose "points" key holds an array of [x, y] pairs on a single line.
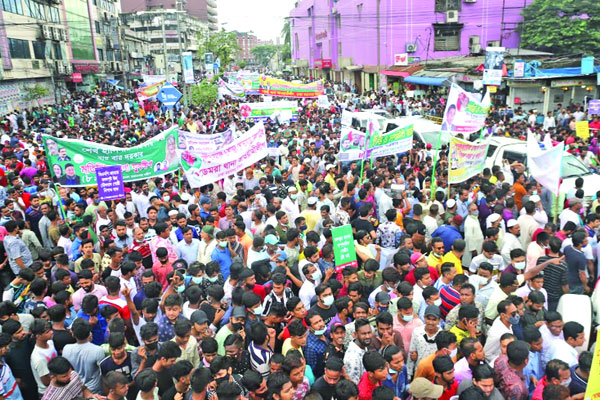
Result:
{"points": [[545, 166]]}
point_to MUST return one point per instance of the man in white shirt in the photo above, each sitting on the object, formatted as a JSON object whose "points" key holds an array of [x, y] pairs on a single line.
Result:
{"points": [[502, 324], [290, 205], [565, 350], [527, 223], [572, 213], [539, 214], [142, 201], [313, 279], [489, 254], [511, 240]]}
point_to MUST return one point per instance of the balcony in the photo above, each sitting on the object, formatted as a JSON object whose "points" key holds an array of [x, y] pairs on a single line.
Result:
{"points": [[213, 26], [211, 4], [213, 19]]}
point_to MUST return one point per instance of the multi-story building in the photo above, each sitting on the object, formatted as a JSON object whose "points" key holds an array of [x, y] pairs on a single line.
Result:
{"points": [[353, 40], [246, 42], [204, 10], [159, 27], [137, 59], [57, 44]]}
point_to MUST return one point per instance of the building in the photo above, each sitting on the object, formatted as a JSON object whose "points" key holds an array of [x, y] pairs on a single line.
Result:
{"points": [[159, 27], [204, 10], [57, 44], [136, 54], [246, 42], [354, 40]]}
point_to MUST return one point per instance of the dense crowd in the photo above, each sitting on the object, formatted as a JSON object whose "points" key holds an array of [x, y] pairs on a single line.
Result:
{"points": [[231, 290]]}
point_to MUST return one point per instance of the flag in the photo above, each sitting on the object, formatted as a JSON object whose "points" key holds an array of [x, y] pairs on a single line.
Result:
{"points": [[545, 166]]}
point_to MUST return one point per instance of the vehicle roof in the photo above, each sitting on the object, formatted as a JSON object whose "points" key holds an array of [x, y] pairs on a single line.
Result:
{"points": [[420, 124]]}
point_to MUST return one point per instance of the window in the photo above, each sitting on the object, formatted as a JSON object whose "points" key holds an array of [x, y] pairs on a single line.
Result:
{"points": [[359, 11], [100, 54], [19, 48], [97, 26], [339, 48], [447, 37], [39, 50], [53, 15], [447, 5], [12, 6], [34, 9], [57, 51], [339, 21]]}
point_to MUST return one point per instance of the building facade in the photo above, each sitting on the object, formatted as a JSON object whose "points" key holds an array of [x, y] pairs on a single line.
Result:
{"points": [[204, 10], [159, 27], [353, 40]]}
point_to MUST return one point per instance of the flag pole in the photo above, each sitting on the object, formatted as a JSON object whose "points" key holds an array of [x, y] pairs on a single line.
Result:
{"points": [[435, 159]]}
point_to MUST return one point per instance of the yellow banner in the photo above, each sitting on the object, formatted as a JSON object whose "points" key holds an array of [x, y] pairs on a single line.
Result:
{"points": [[593, 388], [582, 129]]}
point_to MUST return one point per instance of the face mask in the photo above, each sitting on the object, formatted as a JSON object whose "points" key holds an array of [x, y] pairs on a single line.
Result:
{"points": [[152, 346], [407, 318], [197, 279], [382, 309], [534, 193], [453, 353], [392, 371], [328, 301], [180, 289], [321, 332], [566, 383], [316, 275], [166, 198], [212, 279], [258, 310], [236, 326], [514, 320], [222, 380], [293, 196], [437, 302], [520, 265], [303, 227], [223, 244], [475, 214], [389, 288]]}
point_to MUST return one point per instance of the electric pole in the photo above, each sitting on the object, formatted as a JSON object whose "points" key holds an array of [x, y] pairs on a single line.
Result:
{"points": [[164, 45], [178, 4]]}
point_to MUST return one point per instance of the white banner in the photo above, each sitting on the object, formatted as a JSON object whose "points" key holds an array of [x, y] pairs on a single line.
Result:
{"points": [[494, 60], [465, 112], [188, 67], [203, 167], [346, 118], [545, 166]]}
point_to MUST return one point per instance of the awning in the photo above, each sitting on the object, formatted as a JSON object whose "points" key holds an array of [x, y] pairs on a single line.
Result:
{"points": [[353, 67], [403, 74], [425, 80]]}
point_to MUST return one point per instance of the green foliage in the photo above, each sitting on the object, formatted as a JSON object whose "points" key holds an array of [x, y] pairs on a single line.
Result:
{"points": [[222, 44], [242, 64], [562, 26], [204, 94], [263, 54], [36, 92], [286, 47]]}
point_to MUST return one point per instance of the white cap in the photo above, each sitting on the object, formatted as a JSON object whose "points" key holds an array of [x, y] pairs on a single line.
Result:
{"points": [[312, 201], [450, 203], [329, 166], [185, 197], [511, 223], [292, 189], [535, 198], [307, 160], [173, 213]]}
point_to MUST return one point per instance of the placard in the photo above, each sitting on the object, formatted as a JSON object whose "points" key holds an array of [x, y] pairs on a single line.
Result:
{"points": [[110, 183]]}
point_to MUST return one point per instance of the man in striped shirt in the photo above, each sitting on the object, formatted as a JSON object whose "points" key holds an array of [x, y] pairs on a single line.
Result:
{"points": [[66, 384], [450, 294], [9, 390]]}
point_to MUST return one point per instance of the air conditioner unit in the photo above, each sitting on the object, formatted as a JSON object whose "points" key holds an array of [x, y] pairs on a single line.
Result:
{"points": [[60, 67], [47, 32], [411, 47], [56, 31], [451, 16], [475, 48], [473, 40], [470, 1], [63, 35], [494, 43], [334, 10], [68, 68]]}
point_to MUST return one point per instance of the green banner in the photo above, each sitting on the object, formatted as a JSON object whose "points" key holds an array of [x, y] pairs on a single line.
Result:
{"points": [[74, 162], [399, 140], [344, 252]]}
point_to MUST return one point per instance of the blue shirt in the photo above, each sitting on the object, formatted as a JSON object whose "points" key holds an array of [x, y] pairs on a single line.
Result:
{"points": [[448, 234], [400, 387], [188, 252], [223, 257], [534, 367], [98, 330], [166, 329], [179, 234], [314, 353], [75, 249]]}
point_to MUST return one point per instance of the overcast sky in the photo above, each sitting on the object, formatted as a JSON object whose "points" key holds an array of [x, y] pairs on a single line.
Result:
{"points": [[264, 17]]}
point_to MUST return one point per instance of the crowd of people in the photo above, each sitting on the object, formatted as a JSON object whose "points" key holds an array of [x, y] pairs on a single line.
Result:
{"points": [[230, 291]]}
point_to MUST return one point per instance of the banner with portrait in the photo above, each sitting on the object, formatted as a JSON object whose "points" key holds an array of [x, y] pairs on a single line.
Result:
{"points": [[277, 87], [352, 144], [493, 66], [73, 162], [466, 159], [465, 112]]}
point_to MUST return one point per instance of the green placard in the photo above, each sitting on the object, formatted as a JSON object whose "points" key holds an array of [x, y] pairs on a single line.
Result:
{"points": [[343, 247]]}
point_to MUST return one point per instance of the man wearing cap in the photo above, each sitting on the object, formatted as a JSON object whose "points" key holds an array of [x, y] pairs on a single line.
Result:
{"points": [[423, 389], [311, 215], [235, 325], [449, 233], [473, 234], [540, 214], [207, 244], [290, 204], [330, 176], [572, 213], [511, 240]]}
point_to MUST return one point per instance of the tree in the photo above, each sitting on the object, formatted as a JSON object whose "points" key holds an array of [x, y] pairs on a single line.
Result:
{"points": [[263, 54], [222, 44], [286, 47], [242, 64], [562, 26], [35, 93], [204, 94]]}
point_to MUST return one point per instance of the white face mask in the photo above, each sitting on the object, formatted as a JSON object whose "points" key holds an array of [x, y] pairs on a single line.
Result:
{"points": [[437, 302]]}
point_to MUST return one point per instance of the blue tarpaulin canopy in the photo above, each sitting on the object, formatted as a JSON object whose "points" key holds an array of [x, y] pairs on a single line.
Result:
{"points": [[425, 80]]}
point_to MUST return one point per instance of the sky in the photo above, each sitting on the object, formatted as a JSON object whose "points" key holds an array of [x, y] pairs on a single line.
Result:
{"points": [[264, 17]]}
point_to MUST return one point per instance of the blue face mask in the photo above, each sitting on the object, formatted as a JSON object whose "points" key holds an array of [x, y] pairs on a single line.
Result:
{"points": [[197, 280], [320, 332], [212, 279], [382, 309], [180, 289], [392, 371]]}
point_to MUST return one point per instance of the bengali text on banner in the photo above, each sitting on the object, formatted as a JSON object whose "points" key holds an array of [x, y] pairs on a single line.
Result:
{"points": [[466, 159], [277, 87]]}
